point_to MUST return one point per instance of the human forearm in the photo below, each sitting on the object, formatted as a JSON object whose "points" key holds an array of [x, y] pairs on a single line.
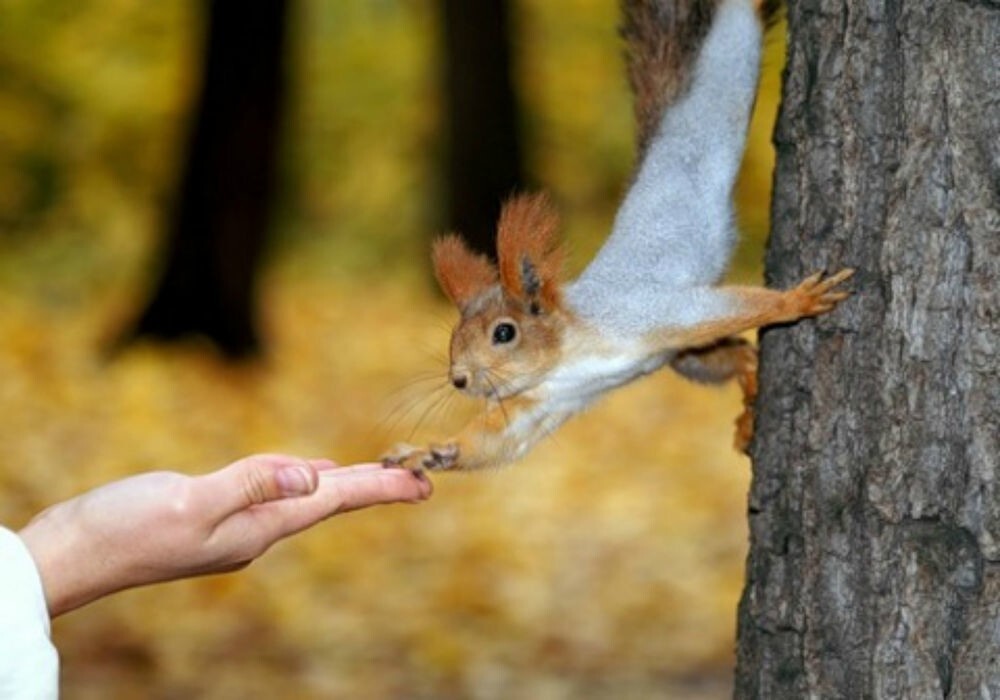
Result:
{"points": [[162, 526]]}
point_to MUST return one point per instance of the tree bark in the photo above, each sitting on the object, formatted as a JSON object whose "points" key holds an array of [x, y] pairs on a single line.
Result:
{"points": [[483, 144], [219, 226], [874, 564]]}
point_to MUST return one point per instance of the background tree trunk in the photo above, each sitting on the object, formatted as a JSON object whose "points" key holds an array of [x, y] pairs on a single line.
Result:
{"points": [[874, 565], [483, 145], [219, 225]]}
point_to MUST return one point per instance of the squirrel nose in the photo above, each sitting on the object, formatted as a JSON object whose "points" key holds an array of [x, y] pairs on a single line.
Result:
{"points": [[460, 381]]}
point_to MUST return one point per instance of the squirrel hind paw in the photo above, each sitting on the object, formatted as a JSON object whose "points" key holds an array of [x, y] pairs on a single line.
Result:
{"points": [[744, 431]]}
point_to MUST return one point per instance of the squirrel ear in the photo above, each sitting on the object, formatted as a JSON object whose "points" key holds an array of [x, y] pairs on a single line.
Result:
{"points": [[528, 250], [461, 273]]}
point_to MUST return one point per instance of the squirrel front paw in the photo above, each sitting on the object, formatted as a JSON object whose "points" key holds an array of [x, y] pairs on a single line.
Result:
{"points": [[815, 295], [434, 458]]}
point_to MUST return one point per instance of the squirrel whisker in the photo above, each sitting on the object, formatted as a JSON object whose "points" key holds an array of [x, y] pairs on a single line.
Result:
{"points": [[540, 351]]}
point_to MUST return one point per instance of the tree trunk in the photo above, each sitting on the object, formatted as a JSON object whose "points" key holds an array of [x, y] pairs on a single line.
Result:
{"points": [[219, 225], [483, 148], [874, 565]]}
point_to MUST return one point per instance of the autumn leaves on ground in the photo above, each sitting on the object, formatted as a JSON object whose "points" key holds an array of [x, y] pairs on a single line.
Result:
{"points": [[606, 564], [611, 559]]}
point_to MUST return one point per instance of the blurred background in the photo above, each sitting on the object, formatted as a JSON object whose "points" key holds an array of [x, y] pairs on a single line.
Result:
{"points": [[214, 220]]}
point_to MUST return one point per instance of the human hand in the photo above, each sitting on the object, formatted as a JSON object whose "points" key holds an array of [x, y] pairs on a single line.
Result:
{"points": [[161, 526]]}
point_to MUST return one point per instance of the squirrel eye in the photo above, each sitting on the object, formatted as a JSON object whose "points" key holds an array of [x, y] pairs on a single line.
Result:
{"points": [[504, 333]]}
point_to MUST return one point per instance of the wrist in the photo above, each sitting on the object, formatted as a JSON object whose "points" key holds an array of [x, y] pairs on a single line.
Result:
{"points": [[68, 567]]}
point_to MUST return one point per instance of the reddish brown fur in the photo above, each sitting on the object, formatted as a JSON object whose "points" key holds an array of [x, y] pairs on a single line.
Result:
{"points": [[507, 368], [461, 273], [528, 233], [662, 38]]}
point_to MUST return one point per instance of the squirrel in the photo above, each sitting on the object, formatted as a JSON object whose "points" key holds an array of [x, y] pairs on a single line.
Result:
{"points": [[540, 351]]}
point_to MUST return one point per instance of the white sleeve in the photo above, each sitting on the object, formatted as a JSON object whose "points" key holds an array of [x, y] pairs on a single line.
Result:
{"points": [[29, 663]]}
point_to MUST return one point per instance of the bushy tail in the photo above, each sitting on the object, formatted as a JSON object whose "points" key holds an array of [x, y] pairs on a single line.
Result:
{"points": [[694, 66], [662, 38], [662, 42]]}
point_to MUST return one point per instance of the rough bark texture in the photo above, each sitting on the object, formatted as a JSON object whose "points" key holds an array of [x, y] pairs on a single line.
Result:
{"points": [[874, 565]]}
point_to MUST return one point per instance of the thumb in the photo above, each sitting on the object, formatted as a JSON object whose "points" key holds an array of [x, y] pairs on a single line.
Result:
{"points": [[258, 479]]}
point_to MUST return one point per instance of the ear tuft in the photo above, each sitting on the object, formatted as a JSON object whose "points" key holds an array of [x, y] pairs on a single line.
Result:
{"points": [[461, 273], [528, 249]]}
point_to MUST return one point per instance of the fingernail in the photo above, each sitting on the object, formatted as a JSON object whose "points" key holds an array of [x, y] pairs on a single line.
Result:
{"points": [[420, 476], [294, 481]]}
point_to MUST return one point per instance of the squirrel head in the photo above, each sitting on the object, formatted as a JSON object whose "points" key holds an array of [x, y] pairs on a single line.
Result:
{"points": [[512, 318]]}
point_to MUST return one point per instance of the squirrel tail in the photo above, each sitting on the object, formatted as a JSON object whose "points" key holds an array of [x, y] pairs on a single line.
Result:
{"points": [[662, 42], [662, 38], [694, 65], [700, 129]]}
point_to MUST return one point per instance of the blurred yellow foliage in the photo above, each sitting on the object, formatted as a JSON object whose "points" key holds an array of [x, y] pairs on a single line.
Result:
{"points": [[607, 565], [612, 556]]}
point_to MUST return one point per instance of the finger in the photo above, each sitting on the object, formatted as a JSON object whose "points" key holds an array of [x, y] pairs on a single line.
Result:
{"points": [[339, 491], [372, 486], [354, 468], [322, 465], [255, 480]]}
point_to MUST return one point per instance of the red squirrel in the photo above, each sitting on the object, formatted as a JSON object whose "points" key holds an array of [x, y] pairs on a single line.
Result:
{"points": [[539, 351]]}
